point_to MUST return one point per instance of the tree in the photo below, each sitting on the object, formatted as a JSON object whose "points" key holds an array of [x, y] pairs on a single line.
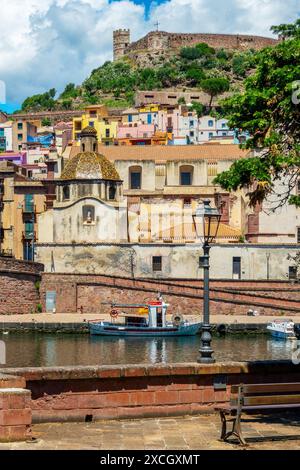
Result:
{"points": [[214, 87], [46, 122], [199, 108], [269, 109]]}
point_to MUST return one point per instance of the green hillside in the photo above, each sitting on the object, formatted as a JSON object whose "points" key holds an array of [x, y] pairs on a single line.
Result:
{"points": [[114, 83]]}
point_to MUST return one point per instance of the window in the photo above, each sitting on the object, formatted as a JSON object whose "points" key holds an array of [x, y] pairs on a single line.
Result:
{"points": [[107, 133], [129, 117], [191, 123], [298, 188], [236, 267], [20, 126], [298, 234], [156, 263], [191, 133], [20, 136], [149, 118], [83, 147], [223, 125], [112, 192], [292, 272], [93, 113], [224, 133], [210, 123], [91, 123], [95, 147], [29, 203], [210, 135], [88, 214], [66, 193], [135, 177], [186, 175]]}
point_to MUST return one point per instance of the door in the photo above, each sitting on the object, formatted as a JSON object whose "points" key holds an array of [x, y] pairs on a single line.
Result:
{"points": [[236, 267], [50, 301]]}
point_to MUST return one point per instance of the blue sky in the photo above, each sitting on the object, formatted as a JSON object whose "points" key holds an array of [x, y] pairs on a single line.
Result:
{"points": [[49, 43]]}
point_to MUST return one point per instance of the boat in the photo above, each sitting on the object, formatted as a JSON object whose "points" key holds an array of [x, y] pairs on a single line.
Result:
{"points": [[282, 328], [147, 320]]}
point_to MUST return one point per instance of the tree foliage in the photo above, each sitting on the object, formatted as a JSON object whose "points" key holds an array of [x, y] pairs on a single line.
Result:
{"points": [[214, 87], [269, 109], [44, 101]]}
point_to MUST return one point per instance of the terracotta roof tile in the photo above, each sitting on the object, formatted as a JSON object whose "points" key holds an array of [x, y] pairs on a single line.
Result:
{"points": [[213, 152]]}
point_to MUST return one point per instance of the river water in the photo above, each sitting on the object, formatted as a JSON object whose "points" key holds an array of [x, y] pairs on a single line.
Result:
{"points": [[40, 349]]}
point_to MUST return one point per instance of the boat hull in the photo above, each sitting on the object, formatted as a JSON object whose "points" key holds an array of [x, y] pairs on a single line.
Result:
{"points": [[282, 335], [105, 329]]}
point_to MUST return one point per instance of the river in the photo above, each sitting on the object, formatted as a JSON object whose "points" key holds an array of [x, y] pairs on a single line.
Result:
{"points": [[40, 349]]}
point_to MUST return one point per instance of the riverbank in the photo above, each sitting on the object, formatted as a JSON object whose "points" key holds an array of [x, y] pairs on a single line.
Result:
{"points": [[78, 323]]}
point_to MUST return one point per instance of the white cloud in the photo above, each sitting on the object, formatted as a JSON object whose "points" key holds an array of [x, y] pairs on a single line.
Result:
{"points": [[48, 43]]}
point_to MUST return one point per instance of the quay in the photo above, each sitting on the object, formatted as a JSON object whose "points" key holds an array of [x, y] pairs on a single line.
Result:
{"points": [[78, 323]]}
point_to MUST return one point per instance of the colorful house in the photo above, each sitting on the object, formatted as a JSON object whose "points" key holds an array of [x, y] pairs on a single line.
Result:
{"points": [[97, 116]]}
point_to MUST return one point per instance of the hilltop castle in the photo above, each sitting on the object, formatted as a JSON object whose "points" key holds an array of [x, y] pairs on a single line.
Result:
{"points": [[157, 42]]}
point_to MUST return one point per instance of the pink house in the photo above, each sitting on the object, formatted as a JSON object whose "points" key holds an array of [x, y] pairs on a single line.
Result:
{"points": [[135, 130]]}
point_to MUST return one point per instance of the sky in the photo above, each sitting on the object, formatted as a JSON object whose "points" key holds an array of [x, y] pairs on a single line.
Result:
{"points": [[48, 43]]}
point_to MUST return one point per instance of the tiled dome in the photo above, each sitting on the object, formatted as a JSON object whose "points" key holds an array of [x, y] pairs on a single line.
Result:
{"points": [[88, 131], [90, 165]]}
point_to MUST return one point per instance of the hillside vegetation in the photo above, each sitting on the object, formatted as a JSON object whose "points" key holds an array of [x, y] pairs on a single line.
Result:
{"points": [[114, 83]]}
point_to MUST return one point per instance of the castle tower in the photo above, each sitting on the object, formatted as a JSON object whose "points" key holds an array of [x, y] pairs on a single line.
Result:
{"points": [[121, 40]]}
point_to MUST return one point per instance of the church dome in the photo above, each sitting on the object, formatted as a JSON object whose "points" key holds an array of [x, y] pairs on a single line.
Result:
{"points": [[88, 131], [90, 165]]}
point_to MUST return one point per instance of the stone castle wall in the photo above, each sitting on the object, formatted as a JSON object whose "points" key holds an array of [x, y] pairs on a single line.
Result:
{"points": [[160, 40]]}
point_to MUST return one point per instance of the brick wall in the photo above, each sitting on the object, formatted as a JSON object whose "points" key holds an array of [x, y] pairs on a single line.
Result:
{"points": [[18, 288], [15, 409], [185, 296], [109, 392]]}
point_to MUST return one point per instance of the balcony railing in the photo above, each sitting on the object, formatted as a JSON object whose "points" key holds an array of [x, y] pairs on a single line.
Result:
{"points": [[29, 236], [6, 253], [29, 209]]}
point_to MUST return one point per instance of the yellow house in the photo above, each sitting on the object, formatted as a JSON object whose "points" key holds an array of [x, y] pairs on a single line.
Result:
{"points": [[97, 116]]}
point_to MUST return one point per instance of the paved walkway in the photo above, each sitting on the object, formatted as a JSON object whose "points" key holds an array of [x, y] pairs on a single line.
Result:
{"points": [[79, 318], [277, 432]]}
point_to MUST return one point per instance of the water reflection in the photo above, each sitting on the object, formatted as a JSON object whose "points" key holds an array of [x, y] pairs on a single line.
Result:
{"points": [[25, 350]]}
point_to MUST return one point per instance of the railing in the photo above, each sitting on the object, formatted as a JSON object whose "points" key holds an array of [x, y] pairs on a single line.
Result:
{"points": [[29, 236], [6, 253], [29, 208]]}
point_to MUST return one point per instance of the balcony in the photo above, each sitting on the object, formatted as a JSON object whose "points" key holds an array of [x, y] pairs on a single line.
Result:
{"points": [[29, 236], [6, 253]]}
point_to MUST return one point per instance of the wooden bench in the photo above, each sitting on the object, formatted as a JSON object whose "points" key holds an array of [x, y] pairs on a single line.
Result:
{"points": [[256, 397]]}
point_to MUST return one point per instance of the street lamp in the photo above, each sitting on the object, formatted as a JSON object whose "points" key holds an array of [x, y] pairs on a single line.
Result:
{"points": [[206, 221]]}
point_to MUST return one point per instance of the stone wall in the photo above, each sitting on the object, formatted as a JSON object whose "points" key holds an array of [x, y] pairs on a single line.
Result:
{"points": [[132, 391], [15, 409], [184, 296], [160, 40], [19, 293]]}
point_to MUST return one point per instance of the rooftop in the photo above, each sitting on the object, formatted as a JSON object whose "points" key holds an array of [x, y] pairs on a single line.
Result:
{"points": [[213, 152]]}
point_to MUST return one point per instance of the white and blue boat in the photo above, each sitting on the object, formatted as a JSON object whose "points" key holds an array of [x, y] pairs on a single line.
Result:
{"points": [[282, 328], [149, 320]]}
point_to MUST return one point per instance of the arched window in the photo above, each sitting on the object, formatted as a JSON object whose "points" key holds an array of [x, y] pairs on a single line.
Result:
{"points": [[66, 192], [95, 147], [135, 177], [88, 214], [186, 175], [112, 192], [83, 147]]}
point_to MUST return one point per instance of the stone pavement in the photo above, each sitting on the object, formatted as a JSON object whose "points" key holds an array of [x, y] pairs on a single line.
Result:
{"points": [[275, 432], [79, 318]]}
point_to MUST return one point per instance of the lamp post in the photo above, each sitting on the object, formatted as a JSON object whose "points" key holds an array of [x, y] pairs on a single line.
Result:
{"points": [[206, 221]]}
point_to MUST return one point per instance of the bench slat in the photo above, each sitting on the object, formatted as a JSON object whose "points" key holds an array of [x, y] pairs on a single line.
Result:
{"points": [[267, 388], [257, 407], [271, 399]]}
